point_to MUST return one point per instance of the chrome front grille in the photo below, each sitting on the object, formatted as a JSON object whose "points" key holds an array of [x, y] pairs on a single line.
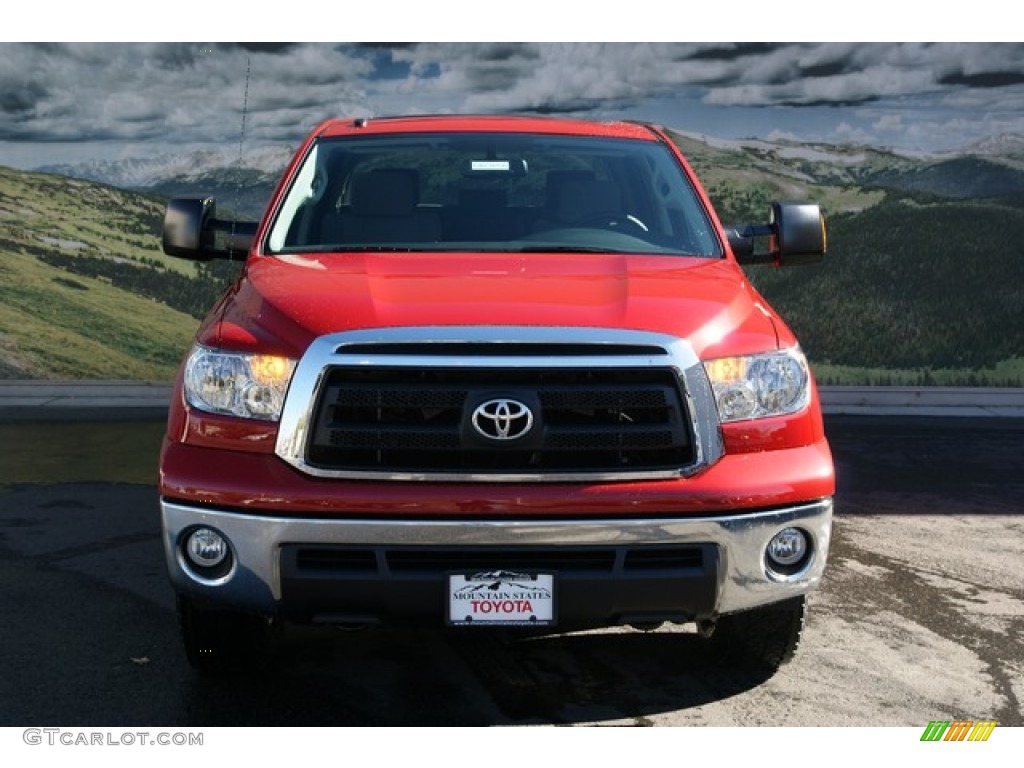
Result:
{"points": [[406, 404]]}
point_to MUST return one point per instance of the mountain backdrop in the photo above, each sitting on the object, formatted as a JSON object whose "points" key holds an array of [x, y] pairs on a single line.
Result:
{"points": [[923, 282]]}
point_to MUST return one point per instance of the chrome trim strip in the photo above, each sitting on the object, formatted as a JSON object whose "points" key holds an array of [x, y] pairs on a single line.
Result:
{"points": [[328, 351], [744, 582]]}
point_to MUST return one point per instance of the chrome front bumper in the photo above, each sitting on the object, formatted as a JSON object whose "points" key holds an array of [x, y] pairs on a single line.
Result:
{"points": [[254, 580]]}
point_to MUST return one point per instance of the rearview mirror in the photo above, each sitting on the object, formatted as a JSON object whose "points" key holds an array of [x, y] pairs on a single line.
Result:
{"points": [[192, 231], [495, 167], [795, 235]]}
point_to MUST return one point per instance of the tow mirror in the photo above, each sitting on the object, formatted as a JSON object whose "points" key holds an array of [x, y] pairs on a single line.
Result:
{"points": [[795, 235], [192, 231]]}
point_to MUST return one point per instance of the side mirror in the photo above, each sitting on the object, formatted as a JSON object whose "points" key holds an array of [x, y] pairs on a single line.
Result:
{"points": [[192, 231], [796, 235]]}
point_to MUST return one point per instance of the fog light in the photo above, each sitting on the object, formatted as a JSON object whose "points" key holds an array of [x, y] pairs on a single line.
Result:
{"points": [[206, 548], [787, 549]]}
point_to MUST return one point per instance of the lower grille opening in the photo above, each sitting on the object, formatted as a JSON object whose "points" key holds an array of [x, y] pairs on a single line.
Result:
{"points": [[336, 559], [399, 560], [663, 557], [593, 585]]}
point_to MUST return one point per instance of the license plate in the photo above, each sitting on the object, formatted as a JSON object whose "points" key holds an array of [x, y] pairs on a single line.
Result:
{"points": [[501, 598]]}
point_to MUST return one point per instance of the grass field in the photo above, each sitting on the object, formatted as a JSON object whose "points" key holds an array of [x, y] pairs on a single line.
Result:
{"points": [[57, 327], [57, 324], [1008, 373]]}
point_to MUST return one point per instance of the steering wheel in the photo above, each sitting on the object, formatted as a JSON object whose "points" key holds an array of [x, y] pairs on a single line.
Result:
{"points": [[612, 220]]}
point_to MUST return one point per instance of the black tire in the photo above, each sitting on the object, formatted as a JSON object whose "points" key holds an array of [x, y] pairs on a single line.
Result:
{"points": [[761, 638], [220, 641]]}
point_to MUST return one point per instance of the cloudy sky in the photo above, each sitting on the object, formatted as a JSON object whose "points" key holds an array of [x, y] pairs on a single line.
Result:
{"points": [[65, 103]]}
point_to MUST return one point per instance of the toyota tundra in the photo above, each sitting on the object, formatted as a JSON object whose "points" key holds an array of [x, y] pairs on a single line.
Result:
{"points": [[485, 371]]}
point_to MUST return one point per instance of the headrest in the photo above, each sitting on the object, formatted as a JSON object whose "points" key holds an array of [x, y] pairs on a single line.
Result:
{"points": [[482, 199], [579, 200], [385, 192], [556, 181]]}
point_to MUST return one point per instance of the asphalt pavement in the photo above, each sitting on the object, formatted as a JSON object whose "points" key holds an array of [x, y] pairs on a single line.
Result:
{"points": [[920, 616]]}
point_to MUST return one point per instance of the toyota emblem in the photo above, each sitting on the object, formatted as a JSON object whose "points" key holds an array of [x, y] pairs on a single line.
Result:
{"points": [[502, 419]]}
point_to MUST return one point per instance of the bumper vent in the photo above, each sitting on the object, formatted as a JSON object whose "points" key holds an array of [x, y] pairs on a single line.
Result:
{"points": [[439, 561]]}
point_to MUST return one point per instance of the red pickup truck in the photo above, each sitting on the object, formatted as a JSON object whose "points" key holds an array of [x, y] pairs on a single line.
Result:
{"points": [[488, 371]]}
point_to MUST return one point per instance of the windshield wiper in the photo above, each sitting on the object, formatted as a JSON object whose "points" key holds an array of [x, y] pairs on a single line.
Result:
{"points": [[343, 248], [567, 249]]}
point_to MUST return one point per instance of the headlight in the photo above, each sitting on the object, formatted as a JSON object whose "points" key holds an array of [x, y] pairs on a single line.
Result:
{"points": [[757, 386], [237, 384]]}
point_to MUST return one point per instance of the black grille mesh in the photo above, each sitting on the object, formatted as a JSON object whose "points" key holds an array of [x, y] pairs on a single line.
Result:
{"points": [[416, 420]]}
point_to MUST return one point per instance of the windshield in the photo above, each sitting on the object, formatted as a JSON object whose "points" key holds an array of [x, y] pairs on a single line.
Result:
{"points": [[491, 192]]}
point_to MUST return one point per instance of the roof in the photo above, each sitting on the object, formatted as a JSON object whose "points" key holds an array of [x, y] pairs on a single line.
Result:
{"points": [[486, 123]]}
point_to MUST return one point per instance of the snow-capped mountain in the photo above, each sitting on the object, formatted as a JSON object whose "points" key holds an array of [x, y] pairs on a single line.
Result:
{"points": [[1004, 145], [143, 172]]}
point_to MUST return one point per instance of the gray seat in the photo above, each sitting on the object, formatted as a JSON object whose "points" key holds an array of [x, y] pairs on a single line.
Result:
{"points": [[383, 208], [580, 201], [575, 197], [483, 214]]}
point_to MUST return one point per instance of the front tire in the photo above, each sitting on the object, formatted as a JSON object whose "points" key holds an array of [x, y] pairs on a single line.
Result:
{"points": [[764, 638], [221, 641]]}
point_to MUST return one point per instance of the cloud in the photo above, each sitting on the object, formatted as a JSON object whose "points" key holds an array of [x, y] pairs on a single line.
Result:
{"points": [[183, 92], [598, 76], [195, 93], [994, 79], [850, 134], [18, 99]]}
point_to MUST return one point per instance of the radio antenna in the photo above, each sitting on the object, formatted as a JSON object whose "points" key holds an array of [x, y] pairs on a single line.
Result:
{"points": [[241, 144], [245, 110]]}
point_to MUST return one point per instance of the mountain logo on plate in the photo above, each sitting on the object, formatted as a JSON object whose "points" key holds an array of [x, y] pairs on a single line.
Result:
{"points": [[496, 581]]}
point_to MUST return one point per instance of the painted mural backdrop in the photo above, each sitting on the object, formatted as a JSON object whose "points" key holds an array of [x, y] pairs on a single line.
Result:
{"points": [[915, 151]]}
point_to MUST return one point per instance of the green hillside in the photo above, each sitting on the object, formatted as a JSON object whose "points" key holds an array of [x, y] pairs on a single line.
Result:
{"points": [[923, 282], [961, 177], [914, 290], [85, 291], [924, 279]]}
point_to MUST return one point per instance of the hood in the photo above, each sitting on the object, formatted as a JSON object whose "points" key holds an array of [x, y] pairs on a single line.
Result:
{"points": [[282, 303]]}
